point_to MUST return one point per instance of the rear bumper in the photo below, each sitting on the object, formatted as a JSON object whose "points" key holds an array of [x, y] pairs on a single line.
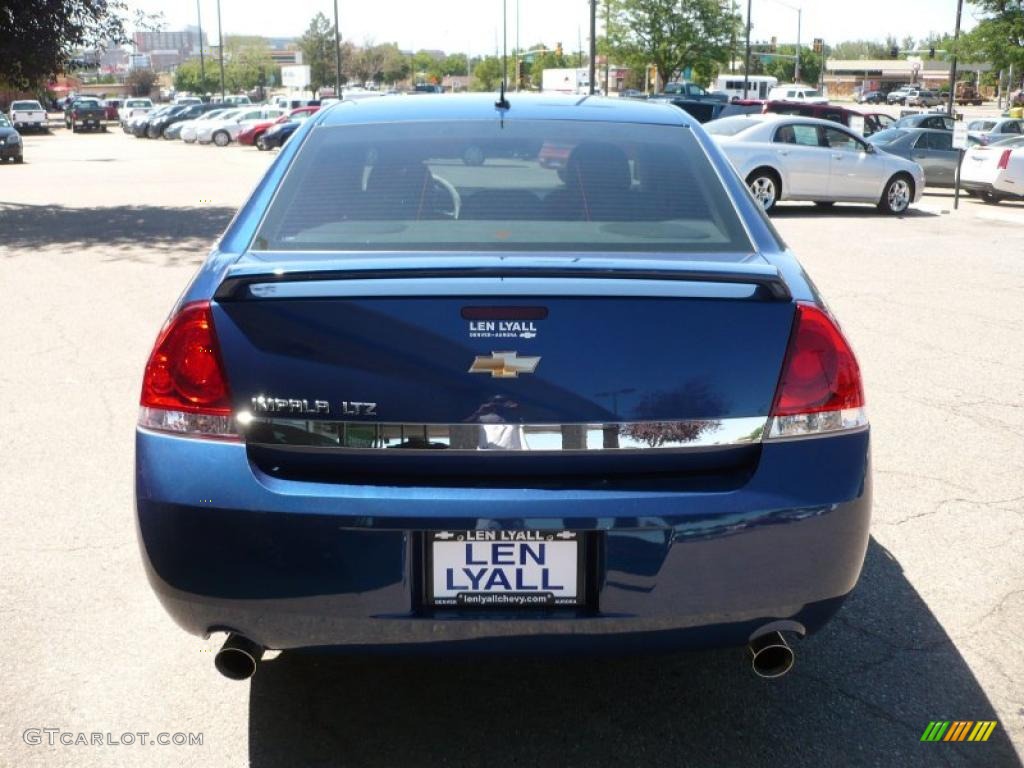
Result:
{"points": [[310, 564]]}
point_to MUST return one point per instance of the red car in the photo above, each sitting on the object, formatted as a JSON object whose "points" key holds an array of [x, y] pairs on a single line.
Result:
{"points": [[251, 134], [112, 106], [873, 121]]}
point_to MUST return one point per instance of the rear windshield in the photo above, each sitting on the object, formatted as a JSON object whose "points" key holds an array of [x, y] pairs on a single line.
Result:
{"points": [[525, 185], [26, 105], [138, 103]]}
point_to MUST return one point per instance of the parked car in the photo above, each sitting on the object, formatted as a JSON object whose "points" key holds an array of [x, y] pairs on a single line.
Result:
{"points": [[931, 149], [140, 124], [276, 135], [703, 110], [250, 136], [870, 97], [939, 122], [112, 109], [190, 128], [158, 127], [801, 158], [922, 98], [899, 96], [995, 172], [325, 461], [993, 129], [234, 128], [10, 142], [27, 114], [85, 112], [796, 92], [133, 108]]}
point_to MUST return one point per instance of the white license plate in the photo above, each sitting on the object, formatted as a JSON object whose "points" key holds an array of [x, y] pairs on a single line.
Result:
{"points": [[504, 569]]}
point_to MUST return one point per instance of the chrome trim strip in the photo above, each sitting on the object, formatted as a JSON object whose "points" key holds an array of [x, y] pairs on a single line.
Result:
{"points": [[501, 286], [362, 436]]}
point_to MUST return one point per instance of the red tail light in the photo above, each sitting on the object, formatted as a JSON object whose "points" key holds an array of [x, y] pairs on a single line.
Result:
{"points": [[820, 389], [1004, 159], [184, 388]]}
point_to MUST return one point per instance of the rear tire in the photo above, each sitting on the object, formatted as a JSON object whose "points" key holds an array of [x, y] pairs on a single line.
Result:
{"points": [[221, 138], [765, 187], [897, 195], [991, 198]]}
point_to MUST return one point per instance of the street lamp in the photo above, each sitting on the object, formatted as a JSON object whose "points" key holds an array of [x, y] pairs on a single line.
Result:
{"points": [[952, 66], [799, 22], [220, 45], [337, 54]]}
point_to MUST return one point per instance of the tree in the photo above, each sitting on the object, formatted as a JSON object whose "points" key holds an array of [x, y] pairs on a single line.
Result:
{"points": [[317, 46], [188, 78], [37, 37], [487, 74], [860, 49], [141, 81], [785, 68], [247, 63], [999, 36], [668, 35], [396, 64]]}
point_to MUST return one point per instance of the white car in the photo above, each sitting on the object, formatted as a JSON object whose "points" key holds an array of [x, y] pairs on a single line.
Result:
{"points": [[990, 129], [190, 131], [28, 114], [785, 157], [796, 92], [133, 108], [995, 171], [225, 130]]}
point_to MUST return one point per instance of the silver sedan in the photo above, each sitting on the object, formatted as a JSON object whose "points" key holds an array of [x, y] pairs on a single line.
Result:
{"points": [[801, 158], [931, 149]]}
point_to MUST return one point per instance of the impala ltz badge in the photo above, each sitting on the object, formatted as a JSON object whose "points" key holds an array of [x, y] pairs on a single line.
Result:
{"points": [[504, 365]]}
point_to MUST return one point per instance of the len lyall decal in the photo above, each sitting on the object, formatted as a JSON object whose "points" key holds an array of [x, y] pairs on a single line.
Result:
{"points": [[958, 730]]}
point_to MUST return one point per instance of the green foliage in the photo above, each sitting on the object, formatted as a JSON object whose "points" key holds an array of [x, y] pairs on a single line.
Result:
{"points": [[998, 37], [670, 35], [247, 63], [37, 37], [860, 49], [785, 69], [317, 46], [487, 74], [188, 77]]}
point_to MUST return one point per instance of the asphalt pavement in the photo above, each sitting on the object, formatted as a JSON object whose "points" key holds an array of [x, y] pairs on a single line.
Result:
{"points": [[99, 233]]}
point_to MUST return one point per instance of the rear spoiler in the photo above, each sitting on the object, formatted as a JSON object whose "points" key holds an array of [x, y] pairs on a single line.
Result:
{"points": [[254, 281]]}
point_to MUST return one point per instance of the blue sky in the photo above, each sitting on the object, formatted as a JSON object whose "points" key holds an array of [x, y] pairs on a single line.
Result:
{"points": [[460, 25]]}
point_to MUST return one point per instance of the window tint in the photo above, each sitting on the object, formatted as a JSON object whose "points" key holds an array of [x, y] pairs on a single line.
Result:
{"points": [[940, 141], [553, 186], [26, 105], [1011, 128], [834, 116], [842, 140]]}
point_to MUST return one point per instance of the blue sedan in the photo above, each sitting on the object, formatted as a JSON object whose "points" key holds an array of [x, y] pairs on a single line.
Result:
{"points": [[413, 403]]}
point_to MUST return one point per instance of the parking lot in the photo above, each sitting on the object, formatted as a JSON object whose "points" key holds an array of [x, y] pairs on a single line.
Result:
{"points": [[99, 233]]}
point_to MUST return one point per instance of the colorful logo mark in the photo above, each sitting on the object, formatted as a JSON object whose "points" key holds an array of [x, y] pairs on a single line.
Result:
{"points": [[958, 730]]}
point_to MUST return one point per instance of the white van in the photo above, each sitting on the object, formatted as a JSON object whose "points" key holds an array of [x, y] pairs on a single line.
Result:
{"points": [[797, 92], [758, 86]]}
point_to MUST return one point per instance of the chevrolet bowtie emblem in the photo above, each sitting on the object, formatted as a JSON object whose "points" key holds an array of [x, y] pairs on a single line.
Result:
{"points": [[504, 365]]}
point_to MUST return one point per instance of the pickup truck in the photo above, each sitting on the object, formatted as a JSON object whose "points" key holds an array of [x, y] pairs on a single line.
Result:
{"points": [[28, 114], [85, 112]]}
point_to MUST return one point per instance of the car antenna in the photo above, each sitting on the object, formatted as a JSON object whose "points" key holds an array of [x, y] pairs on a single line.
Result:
{"points": [[502, 102]]}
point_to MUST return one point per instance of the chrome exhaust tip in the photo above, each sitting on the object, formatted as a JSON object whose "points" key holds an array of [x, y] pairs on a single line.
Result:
{"points": [[238, 657], [770, 655]]}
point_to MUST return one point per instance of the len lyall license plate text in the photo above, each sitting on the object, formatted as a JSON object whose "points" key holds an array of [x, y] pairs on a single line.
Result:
{"points": [[504, 568]]}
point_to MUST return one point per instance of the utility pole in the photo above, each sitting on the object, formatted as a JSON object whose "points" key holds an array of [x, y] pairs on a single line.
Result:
{"points": [[952, 66], [796, 67], [608, 45], [593, 44], [517, 47], [220, 48], [337, 54], [202, 59], [746, 63]]}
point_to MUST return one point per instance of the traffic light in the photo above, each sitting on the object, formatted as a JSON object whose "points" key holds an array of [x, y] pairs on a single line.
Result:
{"points": [[931, 52], [558, 49], [773, 44], [894, 52], [819, 45]]}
